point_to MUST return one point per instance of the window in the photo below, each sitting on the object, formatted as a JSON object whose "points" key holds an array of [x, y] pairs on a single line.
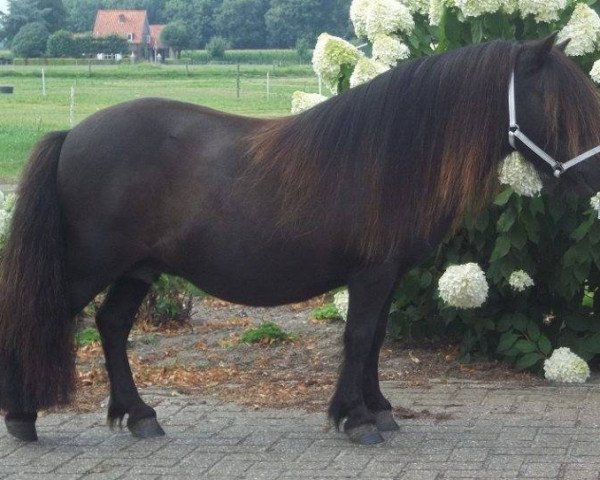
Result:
{"points": [[121, 18], [130, 37]]}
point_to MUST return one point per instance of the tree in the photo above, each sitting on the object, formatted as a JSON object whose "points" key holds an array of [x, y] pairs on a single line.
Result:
{"points": [[288, 21], [243, 22], [54, 14], [81, 14], [61, 44], [30, 41], [50, 13], [176, 36], [198, 17]]}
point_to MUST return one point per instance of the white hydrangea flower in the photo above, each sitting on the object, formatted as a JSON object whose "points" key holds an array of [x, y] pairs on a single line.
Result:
{"points": [[566, 367], [302, 101], [583, 29], [329, 54], [520, 175], [388, 50], [476, 8], [463, 286], [543, 10], [509, 6], [340, 300], [520, 280], [365, 71], [595, 72], [417, 6], [436, 10], [595, 203], [358, 15], [388, 17]]}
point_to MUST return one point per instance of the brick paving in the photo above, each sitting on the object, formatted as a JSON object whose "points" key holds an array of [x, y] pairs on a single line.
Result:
{"points": [[477, 431]]}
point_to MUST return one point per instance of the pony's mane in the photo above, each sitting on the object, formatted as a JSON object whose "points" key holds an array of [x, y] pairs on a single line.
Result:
{"points": [[389, 162]]}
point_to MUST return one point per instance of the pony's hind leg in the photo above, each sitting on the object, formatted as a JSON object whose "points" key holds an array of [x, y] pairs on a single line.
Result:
{"points": [[115, 319], [374, 398], [369, 292]]}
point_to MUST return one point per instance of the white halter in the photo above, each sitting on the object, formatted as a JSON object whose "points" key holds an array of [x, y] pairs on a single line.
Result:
{"points": [[515, 132]]}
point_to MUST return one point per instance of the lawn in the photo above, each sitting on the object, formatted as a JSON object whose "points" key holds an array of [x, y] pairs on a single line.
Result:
{"points": [[27, 114]]}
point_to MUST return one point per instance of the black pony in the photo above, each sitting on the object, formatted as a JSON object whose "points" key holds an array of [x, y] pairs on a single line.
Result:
{"points": [[264, 212]]}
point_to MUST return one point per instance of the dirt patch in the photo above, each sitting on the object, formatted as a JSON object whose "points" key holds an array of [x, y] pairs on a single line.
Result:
{"points": [[205, 357]]}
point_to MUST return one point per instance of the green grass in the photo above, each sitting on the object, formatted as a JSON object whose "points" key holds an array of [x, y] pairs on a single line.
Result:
{"points": [[326, 312], [87, 336], [266, 332], [26, 115]]}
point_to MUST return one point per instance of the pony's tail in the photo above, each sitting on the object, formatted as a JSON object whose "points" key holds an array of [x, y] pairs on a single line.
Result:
{"points": [[37, 365]]}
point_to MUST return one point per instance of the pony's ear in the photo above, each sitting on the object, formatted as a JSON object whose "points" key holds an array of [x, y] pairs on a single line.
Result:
{"points": [[538, 51], [562, 46]]}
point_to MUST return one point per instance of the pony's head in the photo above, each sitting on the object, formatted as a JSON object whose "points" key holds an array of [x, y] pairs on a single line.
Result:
{"points": [[556, 117]]}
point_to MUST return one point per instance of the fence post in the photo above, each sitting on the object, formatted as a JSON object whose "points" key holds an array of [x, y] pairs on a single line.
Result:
{"points": [[90, 67], [44, 82], [268, 86], [238, 80], [72, 107]]}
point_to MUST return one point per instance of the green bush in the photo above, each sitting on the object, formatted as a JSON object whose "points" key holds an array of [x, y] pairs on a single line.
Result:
{"points": [[30, 41], [555, 240], [87, 336], [170, 299], [61, 44], [216, 48], [254, 57], [326, 312], [265, 332]]}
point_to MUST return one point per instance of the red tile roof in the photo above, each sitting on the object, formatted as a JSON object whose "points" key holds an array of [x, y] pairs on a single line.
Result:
{"points": [[122, 23], [155, 31]]}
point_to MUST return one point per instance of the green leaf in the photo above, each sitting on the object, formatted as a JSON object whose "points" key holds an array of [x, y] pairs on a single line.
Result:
{"points": [[501, 249], [525, 346], [544, 345], [506, 220], [503, 198], [507, 340], [528, 360], [583, 229], [533, 331]]}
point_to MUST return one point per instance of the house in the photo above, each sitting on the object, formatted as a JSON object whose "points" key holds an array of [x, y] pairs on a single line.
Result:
{"points": [[143, 38]]}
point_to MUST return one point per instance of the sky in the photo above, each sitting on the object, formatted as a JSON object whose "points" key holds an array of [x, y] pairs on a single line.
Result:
{"points": [[4, 5]]}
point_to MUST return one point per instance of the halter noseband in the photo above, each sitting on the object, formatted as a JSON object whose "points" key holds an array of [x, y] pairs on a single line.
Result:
{"points": [[514, 131]]}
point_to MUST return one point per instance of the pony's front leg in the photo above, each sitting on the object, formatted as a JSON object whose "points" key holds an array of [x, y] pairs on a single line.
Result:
{"points": [[369, 292], [374, 398], [115, 319]]}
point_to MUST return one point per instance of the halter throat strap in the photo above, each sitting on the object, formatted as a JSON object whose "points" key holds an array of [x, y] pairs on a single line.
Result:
{"points": [[514, 132]]}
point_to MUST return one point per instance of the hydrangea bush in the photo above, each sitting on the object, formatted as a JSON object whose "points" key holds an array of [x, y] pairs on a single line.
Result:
{"points": [[517, 281]]}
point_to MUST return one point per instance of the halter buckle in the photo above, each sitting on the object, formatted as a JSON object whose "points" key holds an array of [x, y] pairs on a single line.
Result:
{"points": [[558, 170]]}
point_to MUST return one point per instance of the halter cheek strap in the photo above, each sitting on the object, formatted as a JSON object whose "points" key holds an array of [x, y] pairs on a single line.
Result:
{"points": [[515, 132]]}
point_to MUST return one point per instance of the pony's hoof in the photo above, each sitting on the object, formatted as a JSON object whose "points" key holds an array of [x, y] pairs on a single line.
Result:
{"points": [[385, 421], [146, 428], [365, 435], [23, 430]]}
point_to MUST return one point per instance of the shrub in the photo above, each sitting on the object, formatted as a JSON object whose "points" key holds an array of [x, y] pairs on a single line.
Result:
{"points": [[169, 299], [326, 312], [266, 332], [551, 242], [61, 44], [30, 41], [216, 48], [87, 336]]}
